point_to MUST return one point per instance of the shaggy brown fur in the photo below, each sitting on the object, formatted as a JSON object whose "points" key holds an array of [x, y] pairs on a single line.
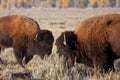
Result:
{"points": [[98, 41], [25, 36]]}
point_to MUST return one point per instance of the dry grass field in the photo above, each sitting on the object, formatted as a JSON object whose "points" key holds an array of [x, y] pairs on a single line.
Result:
{"points": [[52, 68]]}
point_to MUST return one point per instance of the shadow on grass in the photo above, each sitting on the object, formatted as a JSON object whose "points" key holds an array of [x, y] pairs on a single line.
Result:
{"points": [[22, 75]]}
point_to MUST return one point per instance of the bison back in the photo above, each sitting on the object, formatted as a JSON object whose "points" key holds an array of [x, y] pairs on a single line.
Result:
{"points": [[16, 28]]}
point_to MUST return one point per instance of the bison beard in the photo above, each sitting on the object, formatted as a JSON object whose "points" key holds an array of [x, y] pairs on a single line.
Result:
{"points": [[25, 37], [97, 43]]}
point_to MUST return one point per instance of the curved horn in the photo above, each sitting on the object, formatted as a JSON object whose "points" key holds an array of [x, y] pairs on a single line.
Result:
{"points": [[64, 42], [36, 37]]}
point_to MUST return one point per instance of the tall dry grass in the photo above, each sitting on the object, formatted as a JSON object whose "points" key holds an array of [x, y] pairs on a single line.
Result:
{"points": [[50, 68]]}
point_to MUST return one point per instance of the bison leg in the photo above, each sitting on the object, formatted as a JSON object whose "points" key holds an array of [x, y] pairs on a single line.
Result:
{"points": [[100, 63], [0, 58], [1, 61], [28, 58], [19, 54]]}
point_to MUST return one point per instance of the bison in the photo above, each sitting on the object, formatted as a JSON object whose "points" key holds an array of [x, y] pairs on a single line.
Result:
{"points": [[95, 42], [26, 38]]}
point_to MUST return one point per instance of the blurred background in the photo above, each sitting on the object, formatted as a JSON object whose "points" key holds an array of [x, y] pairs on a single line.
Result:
{"points": [[58, 3], [57, 16]]}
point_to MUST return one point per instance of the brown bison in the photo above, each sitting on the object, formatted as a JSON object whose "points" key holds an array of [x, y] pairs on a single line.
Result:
{"points": [[95, 42], [25, 37]]}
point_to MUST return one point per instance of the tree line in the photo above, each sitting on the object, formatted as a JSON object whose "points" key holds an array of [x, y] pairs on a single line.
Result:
{"points": [[58, 3]]}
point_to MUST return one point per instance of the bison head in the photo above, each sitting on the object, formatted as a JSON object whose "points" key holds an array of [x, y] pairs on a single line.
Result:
{"points": [[67, 46], [41, 45], [44, 42]]}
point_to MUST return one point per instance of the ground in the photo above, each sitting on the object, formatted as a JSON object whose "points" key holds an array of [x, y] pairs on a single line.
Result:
{"points": [[56, 20]]}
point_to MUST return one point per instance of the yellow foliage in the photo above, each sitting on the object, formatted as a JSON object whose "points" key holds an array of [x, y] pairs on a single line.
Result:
{"points": [[0, 3], [9, 4], [58, 3], [100, 3], [92, 2], [28, 2], [118, 3], [18, 3], [65, 3], [62, 3], [3, 4]]}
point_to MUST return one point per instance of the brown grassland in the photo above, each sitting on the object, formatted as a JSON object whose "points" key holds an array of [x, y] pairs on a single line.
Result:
{"points": [[52, 68]]}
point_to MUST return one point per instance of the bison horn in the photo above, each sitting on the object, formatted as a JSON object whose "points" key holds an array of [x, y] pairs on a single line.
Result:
{"points": [[36, 37], [64, 42]]}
